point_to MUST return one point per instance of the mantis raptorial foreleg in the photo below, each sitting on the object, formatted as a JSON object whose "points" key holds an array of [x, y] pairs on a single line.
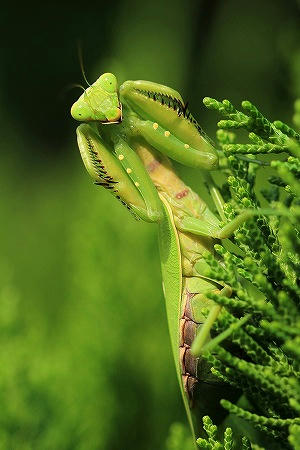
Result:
{"points": [[132, 187], [173, 147], [129, 159]]}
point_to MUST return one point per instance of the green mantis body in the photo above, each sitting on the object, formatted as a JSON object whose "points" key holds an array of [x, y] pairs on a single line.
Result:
{"points": [[125, 144]]}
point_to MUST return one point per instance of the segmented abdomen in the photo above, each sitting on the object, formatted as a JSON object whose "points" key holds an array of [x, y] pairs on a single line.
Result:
{"points": [[188, 329], [193, 370]]}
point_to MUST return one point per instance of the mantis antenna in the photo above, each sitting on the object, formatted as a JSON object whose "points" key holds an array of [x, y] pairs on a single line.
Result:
{"points": [[76, 85], [80, 57], [69, 87]]}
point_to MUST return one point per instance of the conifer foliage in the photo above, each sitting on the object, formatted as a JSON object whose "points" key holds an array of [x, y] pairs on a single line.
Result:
{"points": [[257, 348]]}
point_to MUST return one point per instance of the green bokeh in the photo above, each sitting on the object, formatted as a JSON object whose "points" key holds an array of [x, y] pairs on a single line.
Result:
{"points": [[85, 355]]}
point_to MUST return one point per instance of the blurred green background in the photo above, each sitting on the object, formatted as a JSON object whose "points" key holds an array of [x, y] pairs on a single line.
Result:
{"points": [[85, 359]]}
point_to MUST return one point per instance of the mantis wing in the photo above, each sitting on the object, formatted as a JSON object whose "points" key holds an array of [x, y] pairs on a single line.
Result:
{"points": [[172, 285]]}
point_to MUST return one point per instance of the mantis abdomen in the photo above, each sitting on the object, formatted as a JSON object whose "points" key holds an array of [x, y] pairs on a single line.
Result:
{"points": [[179, 199]]}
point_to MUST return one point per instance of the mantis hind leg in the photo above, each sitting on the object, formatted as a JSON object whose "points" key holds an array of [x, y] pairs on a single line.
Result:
{"points": [[215, 194], [204, 333], [195, 226]]}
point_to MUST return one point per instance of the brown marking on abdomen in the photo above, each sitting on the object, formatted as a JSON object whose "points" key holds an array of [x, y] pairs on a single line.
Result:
{"points": [[152, 165], [182, 194]]}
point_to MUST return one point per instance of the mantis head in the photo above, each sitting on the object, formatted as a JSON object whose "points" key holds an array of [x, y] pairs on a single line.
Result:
{"points": [[99, 102]]}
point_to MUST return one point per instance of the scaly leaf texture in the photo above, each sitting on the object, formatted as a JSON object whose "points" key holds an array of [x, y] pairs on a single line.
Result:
{"points": [[262, 356], [227, 442]]}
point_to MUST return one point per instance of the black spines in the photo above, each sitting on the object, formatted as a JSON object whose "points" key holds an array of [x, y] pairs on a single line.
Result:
{"points": [[175, 104], [106, 180]]}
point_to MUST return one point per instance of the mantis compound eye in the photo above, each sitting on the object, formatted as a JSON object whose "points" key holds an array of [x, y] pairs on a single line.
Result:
{"points": [[108, 82], [81, 111]]}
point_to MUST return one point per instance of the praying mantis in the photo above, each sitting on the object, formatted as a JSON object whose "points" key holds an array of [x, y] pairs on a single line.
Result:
{"points": [[127, 137]]}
